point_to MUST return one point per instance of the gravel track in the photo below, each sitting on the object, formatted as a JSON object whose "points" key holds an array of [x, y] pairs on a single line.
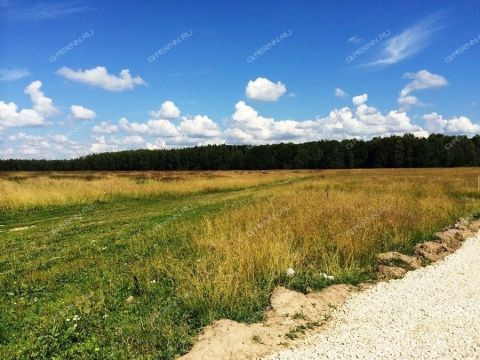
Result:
{"points": [[432, 313]]}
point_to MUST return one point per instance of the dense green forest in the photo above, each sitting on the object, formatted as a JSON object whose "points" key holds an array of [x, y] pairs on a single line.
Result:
{"points": [[393, 151]]}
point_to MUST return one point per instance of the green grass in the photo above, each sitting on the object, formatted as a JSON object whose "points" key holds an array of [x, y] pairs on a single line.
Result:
{"points": [[81, 260]]}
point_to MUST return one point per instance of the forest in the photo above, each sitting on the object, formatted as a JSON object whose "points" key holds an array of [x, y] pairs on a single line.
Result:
{"points": [[381, 152]]}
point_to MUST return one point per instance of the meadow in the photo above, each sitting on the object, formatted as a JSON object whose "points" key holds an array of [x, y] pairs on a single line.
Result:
{"points": [[125, 265]]}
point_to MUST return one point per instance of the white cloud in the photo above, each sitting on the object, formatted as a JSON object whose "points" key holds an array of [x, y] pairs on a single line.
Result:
{"points": [[131, 140], [43, 107], [41, 104], [43, 10], [105, 128], [53, 146], [354, 39], [247, 126], [157, 144], [60, 139], [340, 93], [409, 42], [264, 90], [114, 143], [161, 127], [360, 99], [421, 80], [13, 74], [132, 127], [188, 131], [101, 145], [199, 127], [82, 113], [168, 110], [100, 77], [250, 127], [435, 123], [153, 127]]}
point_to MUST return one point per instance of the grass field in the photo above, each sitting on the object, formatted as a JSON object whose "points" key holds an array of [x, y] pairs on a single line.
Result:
{"points": [[133, 265]]}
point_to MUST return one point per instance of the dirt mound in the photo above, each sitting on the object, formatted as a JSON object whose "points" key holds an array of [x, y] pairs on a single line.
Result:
{"points": [[390, 272], [394, 265], [291, 315], [432, 250], [393, 257]]}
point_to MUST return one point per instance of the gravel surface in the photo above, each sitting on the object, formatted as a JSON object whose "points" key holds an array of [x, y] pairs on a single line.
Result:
{"points": [[432, 313]]}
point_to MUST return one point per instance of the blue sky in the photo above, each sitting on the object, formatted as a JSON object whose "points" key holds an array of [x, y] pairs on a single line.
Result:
{"points": [[78, 77]]}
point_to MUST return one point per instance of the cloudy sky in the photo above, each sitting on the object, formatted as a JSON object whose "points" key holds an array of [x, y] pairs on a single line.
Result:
{"points": [[78, 77]]}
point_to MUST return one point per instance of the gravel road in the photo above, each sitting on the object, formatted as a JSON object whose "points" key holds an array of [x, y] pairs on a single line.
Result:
{"points": [[432, 313]]}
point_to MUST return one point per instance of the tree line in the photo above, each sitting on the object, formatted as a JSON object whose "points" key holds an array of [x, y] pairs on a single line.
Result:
{"points": [[393, 151]]}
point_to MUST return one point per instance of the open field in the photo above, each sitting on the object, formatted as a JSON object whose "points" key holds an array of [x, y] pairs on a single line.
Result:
{"points": [[133, 265]]}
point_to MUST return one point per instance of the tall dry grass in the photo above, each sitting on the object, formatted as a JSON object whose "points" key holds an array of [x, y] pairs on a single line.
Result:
{"points": [[334, 223], [26, 190]]}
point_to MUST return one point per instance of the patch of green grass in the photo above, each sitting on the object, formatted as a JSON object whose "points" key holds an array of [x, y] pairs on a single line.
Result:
{"points": [[83, 263], [298, 330]]}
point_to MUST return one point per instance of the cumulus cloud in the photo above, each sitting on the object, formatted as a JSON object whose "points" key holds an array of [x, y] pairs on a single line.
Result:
{"points": [[156, 144], [360, 99], [115, 143], [100, 145], [248, 127], [82, 113], [189, 130], [340, 93], [435, 123], [13, 74], [200, 126], [42, 107], [100, 77], [153, 127], [245, 126], [409, 42], [105, 128], [263, 89], [41, 104], [168, 110], [132, 127], [421, 80], [52, 146]]}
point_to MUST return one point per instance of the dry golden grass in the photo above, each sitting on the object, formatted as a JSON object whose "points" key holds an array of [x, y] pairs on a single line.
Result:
{"points": [[25, 190], [335, 223]]}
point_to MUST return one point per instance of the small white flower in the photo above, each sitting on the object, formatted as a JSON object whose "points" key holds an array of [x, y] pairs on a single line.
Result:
{"points": [[327, 277], [153, 281], [76, 318], [290, 272]]}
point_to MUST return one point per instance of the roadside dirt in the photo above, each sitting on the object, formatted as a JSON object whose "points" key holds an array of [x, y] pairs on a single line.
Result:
{"points": [[292, 315]]}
